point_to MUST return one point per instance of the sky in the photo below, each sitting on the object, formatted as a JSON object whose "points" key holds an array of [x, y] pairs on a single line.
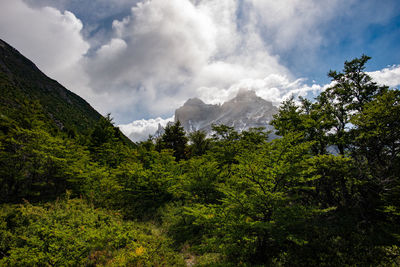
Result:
{"points": [[141, 59]]}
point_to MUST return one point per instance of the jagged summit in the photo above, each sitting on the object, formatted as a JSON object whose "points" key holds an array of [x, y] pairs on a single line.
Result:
{"points": [[194, 101], [244, 111], [245, 95]]}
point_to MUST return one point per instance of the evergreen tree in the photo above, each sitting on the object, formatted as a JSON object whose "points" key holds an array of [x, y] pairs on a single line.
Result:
{"points": [[106, 143], [174, 137], [199, 143]]}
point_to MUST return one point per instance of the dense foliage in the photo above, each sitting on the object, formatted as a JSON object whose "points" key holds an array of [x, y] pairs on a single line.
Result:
{"points": [[326, 193], [72, 232]]}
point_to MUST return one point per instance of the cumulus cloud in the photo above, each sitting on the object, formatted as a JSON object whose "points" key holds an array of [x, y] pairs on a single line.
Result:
{"points": [[50, 38], [388, 76], [53, 41], [164, 50], [166, 41], [155, 50]]}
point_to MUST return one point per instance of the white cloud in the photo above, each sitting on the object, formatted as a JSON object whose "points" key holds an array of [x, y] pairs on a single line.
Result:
{"points": [[274, 88], [388, 76], [53, 41], [140, 130], [165, 50], [50, 38], [165, 44], [295, 23], [166, 41]]}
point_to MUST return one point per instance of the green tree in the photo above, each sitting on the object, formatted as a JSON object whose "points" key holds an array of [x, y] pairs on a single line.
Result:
{"points": [[145, 189], [377, 146], [327, 121], [360, 186], [199, 144], [34, 163], [225, 145], [352, 90], [106, 144], [311, 120], [174, 137], [261, 211]]}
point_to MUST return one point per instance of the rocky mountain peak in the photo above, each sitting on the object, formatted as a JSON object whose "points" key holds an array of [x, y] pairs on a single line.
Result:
{"points": [[244, 111], [245, 95], [194, 102]]}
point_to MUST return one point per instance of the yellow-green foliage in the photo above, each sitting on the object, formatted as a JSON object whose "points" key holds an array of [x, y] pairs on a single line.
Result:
{"points": [[71, 232]]}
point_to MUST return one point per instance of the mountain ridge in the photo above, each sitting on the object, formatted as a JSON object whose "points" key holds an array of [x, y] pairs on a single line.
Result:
{"points": [[246, 110]]}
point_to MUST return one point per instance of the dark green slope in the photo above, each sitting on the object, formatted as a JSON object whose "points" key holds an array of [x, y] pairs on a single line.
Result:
{"points": [[21, 81]]}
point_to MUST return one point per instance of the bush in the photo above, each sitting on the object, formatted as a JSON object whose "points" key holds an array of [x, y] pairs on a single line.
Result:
{"points": [[72, 232]]}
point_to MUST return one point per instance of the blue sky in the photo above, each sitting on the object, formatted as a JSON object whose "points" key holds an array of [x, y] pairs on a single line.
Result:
{"points": [[143, 59]]}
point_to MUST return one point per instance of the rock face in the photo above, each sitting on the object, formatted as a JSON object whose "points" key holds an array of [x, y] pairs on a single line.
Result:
{"points": [[245, 111]]}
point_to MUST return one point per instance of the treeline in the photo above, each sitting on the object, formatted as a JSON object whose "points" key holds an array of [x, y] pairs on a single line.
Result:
{"points": [[326, 193]]}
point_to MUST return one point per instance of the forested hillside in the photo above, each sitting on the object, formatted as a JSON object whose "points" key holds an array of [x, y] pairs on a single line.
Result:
{"points": [[21, 80], [326, 193]]}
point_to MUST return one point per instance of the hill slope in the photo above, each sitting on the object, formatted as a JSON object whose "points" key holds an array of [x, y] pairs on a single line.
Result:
{"points": [[21, 80]]}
